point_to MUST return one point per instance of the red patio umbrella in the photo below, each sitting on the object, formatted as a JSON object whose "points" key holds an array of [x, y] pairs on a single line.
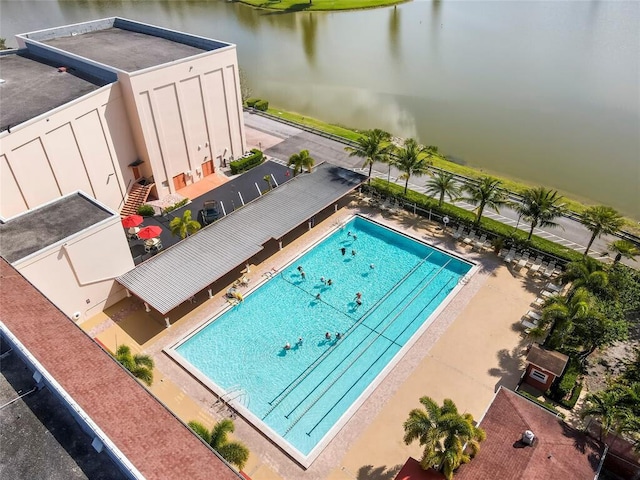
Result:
{"points": [[149, 232], [132, 221]]}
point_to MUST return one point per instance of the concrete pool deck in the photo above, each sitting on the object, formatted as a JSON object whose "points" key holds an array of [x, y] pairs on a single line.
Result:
{"points": [[470, 349]]}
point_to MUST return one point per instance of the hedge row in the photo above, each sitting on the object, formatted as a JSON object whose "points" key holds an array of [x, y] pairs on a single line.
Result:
{"points": [[258, 104], [247, 163], [175, 206], [461, 216]]}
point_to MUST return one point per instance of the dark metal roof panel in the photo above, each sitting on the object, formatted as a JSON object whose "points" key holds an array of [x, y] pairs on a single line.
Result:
{"points": [[188, 267]]}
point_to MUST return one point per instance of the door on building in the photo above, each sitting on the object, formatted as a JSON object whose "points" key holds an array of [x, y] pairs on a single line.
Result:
{"points": [[136, 173], [179, 181], [207, 168]]}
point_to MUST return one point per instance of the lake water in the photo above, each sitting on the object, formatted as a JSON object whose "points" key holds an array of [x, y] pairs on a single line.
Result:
{"points": [[547, 92]]}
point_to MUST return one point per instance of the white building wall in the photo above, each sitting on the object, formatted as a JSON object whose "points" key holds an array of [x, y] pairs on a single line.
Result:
{"points": [[70, 148], [77, 275]]}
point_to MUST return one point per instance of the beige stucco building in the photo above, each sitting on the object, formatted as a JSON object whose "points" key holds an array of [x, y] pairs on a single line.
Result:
{"points": [[100, 105], [89, 113]]}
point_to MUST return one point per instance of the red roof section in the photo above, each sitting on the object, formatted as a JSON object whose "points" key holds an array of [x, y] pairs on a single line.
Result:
{"points": [[153, 440], [413, 471], [559, 451]]}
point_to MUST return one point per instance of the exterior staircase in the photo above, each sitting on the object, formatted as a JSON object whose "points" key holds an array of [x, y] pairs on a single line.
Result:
{"points": [[137, 196]]}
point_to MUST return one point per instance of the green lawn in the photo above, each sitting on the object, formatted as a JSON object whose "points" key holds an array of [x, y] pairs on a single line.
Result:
{"points": [[318, 5], [576, 206], [315, 123]]}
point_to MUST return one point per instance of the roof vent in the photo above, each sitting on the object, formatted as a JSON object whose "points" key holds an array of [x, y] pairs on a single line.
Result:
{"points": [[528, 437]]}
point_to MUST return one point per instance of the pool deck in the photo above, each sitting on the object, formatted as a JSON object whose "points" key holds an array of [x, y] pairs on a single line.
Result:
{"points": [[474, 346]]}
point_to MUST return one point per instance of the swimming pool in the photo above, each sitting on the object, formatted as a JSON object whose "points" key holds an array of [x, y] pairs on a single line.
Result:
{"points": [[304, 394]]}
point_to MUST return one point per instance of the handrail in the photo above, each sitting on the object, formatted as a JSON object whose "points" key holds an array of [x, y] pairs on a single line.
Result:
{"points": [[319, 396], [126, 190], [294, 383]]}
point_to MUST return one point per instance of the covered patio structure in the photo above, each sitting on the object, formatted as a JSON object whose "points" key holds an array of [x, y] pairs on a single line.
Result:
{"points": [[165, 281]]}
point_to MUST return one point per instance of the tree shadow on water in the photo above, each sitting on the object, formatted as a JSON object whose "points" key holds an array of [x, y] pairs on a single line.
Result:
{"points": [[369, 472]]}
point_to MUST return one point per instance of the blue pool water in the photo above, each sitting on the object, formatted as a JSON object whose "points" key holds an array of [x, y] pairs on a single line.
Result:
{"points": [[301, 393]]}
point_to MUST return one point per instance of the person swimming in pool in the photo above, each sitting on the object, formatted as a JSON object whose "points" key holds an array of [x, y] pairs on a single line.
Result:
{"points": [[299, 342], [338, 335], [343, 250], [287, 346], [327, 336], [329, 282]]}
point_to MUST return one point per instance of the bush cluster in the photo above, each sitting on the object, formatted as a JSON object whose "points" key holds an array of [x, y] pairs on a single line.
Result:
{"points": [[146, 210], [247, 163], [258, 104], [175, 206]]}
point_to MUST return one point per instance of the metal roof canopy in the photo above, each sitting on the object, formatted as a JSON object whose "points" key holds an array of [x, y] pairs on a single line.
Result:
{"points": [[181, 271]]}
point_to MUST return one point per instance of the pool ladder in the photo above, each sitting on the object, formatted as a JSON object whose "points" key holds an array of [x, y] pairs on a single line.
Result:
{"points": [[235, 393]]}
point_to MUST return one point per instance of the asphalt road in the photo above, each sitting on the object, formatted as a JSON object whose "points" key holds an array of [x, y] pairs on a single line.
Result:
{"points": [[569, 233]]}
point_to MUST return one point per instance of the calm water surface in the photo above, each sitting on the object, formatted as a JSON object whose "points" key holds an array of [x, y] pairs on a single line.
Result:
{"points": [[548, 92]]}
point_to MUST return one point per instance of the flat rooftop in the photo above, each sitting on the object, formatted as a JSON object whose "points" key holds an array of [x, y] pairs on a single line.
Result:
{"points": [[32, 87], [39, 437], [35, 230], [124, 49]]}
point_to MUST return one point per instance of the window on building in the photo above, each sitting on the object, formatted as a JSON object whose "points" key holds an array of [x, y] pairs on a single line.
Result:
{"points": [[538, 375]]}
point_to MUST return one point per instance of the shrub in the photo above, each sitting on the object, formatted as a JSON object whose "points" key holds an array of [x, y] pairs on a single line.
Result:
{"points": [[146, 210], [262, 105], [571, 402], [565, 384], [251, 102], [175, 206], [247, 163]]}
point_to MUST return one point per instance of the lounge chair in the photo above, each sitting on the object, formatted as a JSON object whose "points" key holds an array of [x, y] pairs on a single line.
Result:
{"points": [[526, 323], [510, 256], [548, 272], [524, 260], [469, 239], [533, 315], [516, 259], [479, 244], [553, 287], [458, 233], [538, 302], [536, 265]]}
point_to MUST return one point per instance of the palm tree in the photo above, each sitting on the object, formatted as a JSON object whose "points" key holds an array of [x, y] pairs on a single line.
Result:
{"points": [[300, 161], [605, 407], [184, 226], [373, 146], [600, 220], [623, 248], [441, 184], [267, 178], [587, 273], [485, 193], [235, 453], [412, 159], [141, 366], [563, 312], [443, 432], [540, 206]]}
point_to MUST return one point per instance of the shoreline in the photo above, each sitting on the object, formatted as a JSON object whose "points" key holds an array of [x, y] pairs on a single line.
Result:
{"points": [[575, 203], [292, 6]]}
